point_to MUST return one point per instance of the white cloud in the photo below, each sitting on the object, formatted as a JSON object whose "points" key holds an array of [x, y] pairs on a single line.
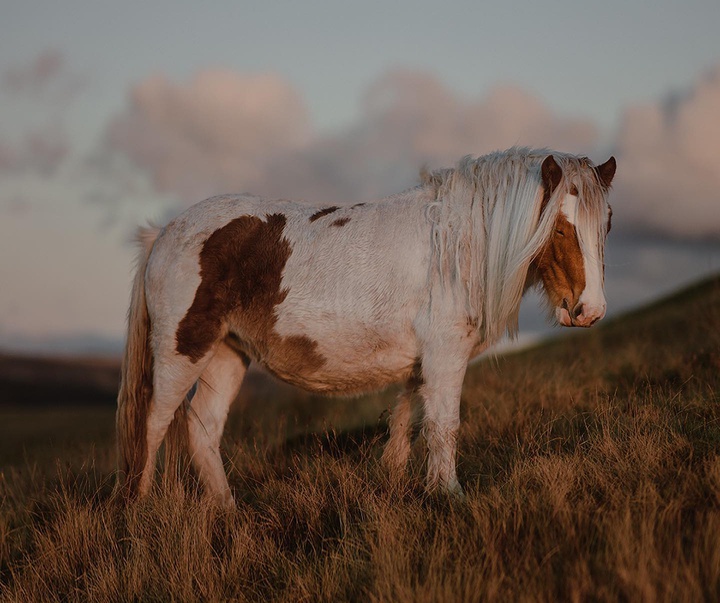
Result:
{"points": [[222, 132], [416, 114], [669, 163], [41, 151], [411, 119], [211, 135], [44, 87], [46, 77], [36, 75]]}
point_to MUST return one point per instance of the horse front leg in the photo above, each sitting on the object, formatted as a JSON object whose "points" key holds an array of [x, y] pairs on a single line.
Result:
{"points": [[443, 373]]}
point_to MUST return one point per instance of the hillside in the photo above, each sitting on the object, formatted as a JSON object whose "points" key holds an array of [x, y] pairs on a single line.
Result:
{"points": [[672, 341], [32, 382], [591, 466], [37, 381]]}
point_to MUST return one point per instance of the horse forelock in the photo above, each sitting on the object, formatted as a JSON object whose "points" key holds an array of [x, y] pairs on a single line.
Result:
{"points": [[580, 179], [487, 225]]}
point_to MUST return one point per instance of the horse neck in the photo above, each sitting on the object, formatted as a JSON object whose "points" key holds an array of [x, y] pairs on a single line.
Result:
{"points": [[486, 228]]}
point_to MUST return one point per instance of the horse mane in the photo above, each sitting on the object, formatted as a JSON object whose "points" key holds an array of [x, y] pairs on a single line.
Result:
{"points": [[487, 227]]}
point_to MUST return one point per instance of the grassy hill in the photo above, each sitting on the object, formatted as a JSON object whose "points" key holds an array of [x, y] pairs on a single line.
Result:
{"points": [[591, 466], [31, 381]]}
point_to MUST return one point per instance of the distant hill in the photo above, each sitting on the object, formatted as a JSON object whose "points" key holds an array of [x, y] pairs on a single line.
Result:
{"points": [[84, 381], [27, 380]]}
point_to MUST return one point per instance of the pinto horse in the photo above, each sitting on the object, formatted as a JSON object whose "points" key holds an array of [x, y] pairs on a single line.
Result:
{"points": [[347, 299]]}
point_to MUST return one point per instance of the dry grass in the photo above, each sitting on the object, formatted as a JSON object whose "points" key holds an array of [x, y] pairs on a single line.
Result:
{"points": [[591, 466]]}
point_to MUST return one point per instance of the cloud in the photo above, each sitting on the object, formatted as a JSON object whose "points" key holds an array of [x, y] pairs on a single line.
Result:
{"points": [[224, 132], [35, 75], [46, 77], [40, 151], [411, 119], [416, 113], [44, 88], [212, 134], [669, 163]]}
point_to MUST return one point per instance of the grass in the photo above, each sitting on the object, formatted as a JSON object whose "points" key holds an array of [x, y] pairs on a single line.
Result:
{"points": [[591, 467]]}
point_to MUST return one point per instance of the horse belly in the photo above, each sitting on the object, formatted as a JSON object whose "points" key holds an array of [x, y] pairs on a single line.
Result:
{"points": [[350, 364]]}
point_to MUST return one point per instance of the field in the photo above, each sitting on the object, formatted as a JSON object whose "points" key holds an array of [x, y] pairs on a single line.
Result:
{"points": [[591, 466]]}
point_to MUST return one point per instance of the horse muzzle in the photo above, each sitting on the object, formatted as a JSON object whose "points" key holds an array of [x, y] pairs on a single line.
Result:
{"points": [[581, 315]]}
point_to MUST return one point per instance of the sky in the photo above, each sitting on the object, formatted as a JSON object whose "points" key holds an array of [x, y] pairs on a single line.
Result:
{"points": [[116, 113]]}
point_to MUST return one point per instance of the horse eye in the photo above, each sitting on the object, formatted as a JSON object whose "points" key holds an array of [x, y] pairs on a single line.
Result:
{"points": [[559, 232]]}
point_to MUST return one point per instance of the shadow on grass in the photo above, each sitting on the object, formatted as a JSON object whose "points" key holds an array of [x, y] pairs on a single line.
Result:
{"points": [[352, 443]]}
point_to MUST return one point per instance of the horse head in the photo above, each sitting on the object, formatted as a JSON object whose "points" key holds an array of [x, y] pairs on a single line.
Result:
{"points": [[571, 264]]}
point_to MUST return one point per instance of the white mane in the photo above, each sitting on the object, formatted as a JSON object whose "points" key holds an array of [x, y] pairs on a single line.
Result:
{"points": [[487, 227]]}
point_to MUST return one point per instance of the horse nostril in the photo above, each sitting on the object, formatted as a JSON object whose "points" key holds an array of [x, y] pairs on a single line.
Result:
{"points": [[577, 310]]}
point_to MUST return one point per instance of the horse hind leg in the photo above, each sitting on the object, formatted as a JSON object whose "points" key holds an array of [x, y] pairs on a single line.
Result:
{"points": [[174, 375], [217, 388], [397, 450]]}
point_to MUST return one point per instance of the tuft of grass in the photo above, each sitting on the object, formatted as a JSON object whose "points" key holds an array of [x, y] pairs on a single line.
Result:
{"points": [[591, 467]]}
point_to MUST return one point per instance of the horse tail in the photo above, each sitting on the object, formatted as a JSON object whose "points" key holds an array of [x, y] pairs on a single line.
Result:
{"points": [[136, 385]]}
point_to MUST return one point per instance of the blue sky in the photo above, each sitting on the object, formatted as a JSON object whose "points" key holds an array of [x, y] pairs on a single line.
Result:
{"points": [[81, 85]]}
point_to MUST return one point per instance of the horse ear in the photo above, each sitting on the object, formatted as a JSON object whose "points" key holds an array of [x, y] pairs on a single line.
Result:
{"points": [[551, 173], [606, 172]]}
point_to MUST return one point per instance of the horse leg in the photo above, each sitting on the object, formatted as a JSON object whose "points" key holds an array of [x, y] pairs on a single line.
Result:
{"points": [[397, 450], [443, 376], [217, 388], [174, 375]]}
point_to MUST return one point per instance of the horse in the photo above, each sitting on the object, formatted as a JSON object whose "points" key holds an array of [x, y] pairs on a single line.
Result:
{"points": [[348, 299]]}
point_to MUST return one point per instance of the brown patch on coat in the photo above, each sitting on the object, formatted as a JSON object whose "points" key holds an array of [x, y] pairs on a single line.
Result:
{"points": [[560, 265], [340, 222], [241, 267], [323, 212]]}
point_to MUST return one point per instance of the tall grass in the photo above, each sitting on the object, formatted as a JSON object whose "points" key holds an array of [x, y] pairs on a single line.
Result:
{"points": [[591, 467]]}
